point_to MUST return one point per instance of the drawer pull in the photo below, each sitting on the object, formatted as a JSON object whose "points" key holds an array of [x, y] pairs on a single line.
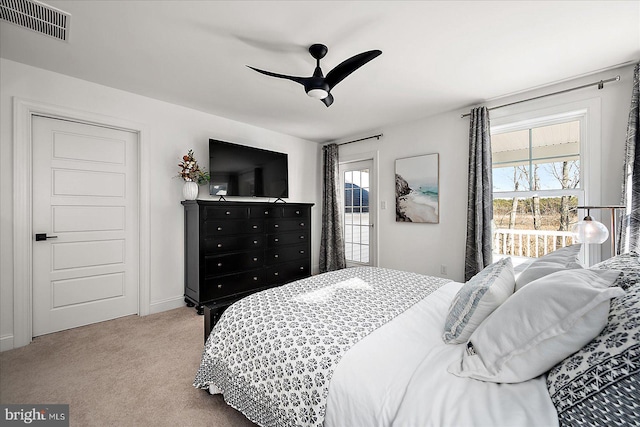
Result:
{"points": [[302, 224], [255, 259], [255, 226], [255, 278], [255, 242], [228, 213], [301, 268], [276, 225], [276, 273], [297, 212], [302, 237], [276, 256], [276, 240], [219, 245], [301, 252], [266, 212], [219, 264], [219, 228], [219, 286]]}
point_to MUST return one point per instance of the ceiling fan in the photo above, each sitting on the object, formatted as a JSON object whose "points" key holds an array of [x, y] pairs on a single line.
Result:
{"points": [[318, 86]]}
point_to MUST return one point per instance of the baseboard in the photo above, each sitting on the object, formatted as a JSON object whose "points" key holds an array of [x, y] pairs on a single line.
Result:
{"points": [[166, 304], [6, 343]]}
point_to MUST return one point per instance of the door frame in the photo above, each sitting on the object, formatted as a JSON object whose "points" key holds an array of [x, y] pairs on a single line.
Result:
{"points": [[374, 233], [23, 112]]}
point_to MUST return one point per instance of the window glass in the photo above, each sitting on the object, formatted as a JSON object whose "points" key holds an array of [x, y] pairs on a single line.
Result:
{"points": [[536, 186], [538, 158]]}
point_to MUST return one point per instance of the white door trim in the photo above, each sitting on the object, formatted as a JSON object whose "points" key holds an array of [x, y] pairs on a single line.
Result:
{"points": [[23, 112]]}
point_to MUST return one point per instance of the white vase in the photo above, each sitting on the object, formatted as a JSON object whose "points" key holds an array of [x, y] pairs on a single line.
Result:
{"points": [[190, 190]]}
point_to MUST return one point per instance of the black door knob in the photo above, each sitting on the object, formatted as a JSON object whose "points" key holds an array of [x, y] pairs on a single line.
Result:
{"points": [[43, 236]]}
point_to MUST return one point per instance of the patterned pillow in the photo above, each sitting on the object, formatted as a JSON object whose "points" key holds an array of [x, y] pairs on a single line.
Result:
{"points": [[628, 263], [599, 384], [477, 299], [539, 326]]}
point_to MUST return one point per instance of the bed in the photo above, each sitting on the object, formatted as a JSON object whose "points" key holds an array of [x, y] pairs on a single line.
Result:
{"points": [[378, 347]]}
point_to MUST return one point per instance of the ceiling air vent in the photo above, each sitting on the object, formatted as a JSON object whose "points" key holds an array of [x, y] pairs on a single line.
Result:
{"points": [[36, 16]]}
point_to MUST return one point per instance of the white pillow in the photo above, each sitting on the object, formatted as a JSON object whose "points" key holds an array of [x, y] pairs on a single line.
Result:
{"points": [[563, 259], [538, 326], [477, 299]]}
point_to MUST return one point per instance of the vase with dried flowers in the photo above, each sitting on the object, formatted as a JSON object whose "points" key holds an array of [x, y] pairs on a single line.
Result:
{"points": [[192, 175]]}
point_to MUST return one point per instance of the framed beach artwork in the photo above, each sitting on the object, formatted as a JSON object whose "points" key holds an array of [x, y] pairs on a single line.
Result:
{"points": [[417, 192]]}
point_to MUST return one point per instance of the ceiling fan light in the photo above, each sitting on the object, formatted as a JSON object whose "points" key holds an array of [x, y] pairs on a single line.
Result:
{"points": [[590, 231], [318, 93]]}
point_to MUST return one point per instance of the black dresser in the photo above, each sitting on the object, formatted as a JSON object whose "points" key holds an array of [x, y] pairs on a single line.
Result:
{"points": [[233, 249]]}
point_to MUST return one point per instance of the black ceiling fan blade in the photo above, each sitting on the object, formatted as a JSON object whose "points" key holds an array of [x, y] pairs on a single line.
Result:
{"points": [[328, 100], [348, 66], [301, 80]]}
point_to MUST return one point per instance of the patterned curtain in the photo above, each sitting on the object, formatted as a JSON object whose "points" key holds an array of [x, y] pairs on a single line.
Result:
{"points": [[331, 242], [480, 199], [629, 236]]}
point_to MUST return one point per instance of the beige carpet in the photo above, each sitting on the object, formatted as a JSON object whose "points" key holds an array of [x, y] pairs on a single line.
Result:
{"points": [[132, 371]]}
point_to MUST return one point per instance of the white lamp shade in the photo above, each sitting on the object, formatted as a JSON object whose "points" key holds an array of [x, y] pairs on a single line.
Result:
{"points": [[590, 231], [318, 93]]}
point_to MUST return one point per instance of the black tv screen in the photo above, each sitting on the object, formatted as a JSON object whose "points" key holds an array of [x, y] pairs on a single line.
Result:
{"points": [[238, 170]]}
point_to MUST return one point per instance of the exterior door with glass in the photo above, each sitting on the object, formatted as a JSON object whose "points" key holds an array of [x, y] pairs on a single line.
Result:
{"points": [[359, 212]]}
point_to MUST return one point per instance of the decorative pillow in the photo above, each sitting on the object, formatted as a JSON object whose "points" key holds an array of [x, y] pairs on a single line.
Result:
{"points": [[628, 263], [563, 259], [598, 385], [477, 299], [538, 326]]}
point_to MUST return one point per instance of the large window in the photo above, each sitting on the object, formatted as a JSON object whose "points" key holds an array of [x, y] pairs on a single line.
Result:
{"points": [[537, 185]]}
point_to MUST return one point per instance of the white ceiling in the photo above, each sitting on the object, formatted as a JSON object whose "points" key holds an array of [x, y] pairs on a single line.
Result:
{"points": [[437, 55]]}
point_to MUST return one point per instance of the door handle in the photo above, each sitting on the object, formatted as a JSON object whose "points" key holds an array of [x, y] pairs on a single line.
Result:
{"points": [[43, 236]]}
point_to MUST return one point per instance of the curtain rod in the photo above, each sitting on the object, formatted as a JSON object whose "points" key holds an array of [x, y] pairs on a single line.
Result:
{"points": [[362, 139], [600, 86]]}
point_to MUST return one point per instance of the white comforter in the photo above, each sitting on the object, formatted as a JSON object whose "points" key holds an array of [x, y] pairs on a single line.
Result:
{"points": [[397, 376]]}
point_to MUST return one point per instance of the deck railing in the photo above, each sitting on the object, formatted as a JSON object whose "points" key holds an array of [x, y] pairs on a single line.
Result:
{"points": [[529, 243]]}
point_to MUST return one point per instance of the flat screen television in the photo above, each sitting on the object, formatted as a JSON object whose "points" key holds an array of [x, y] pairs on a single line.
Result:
{"points": [[238, 170]]}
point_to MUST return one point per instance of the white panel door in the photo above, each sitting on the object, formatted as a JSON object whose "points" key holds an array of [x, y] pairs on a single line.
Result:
{"points": [[85, 194]]}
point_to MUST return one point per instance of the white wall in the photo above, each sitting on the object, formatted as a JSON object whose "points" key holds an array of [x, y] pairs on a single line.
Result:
{"points": [[170, 131], [423, 248]]}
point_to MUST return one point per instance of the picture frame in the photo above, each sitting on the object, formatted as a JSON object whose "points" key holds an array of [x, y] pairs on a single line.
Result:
{"points": [[418, 189]]}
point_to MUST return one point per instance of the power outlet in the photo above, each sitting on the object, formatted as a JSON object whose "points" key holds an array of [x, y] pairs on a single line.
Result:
{"points": [[443, 269]]}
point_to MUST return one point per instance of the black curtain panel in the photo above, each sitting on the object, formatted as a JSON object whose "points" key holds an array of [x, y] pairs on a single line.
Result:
{"points": [[480, 196], [331, 241]]}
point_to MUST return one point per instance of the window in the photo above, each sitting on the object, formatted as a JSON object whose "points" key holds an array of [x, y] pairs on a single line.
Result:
{"points": [[537, 184]]}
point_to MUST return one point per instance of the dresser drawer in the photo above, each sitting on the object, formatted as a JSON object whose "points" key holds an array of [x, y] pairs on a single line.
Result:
{"points": [[274, 240], [286, 253], [264, 212], [287, 272], [232, 212], [222, 244], [275, 225], [222, 264], [222, 286], [225, 228], [294, 212]]}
